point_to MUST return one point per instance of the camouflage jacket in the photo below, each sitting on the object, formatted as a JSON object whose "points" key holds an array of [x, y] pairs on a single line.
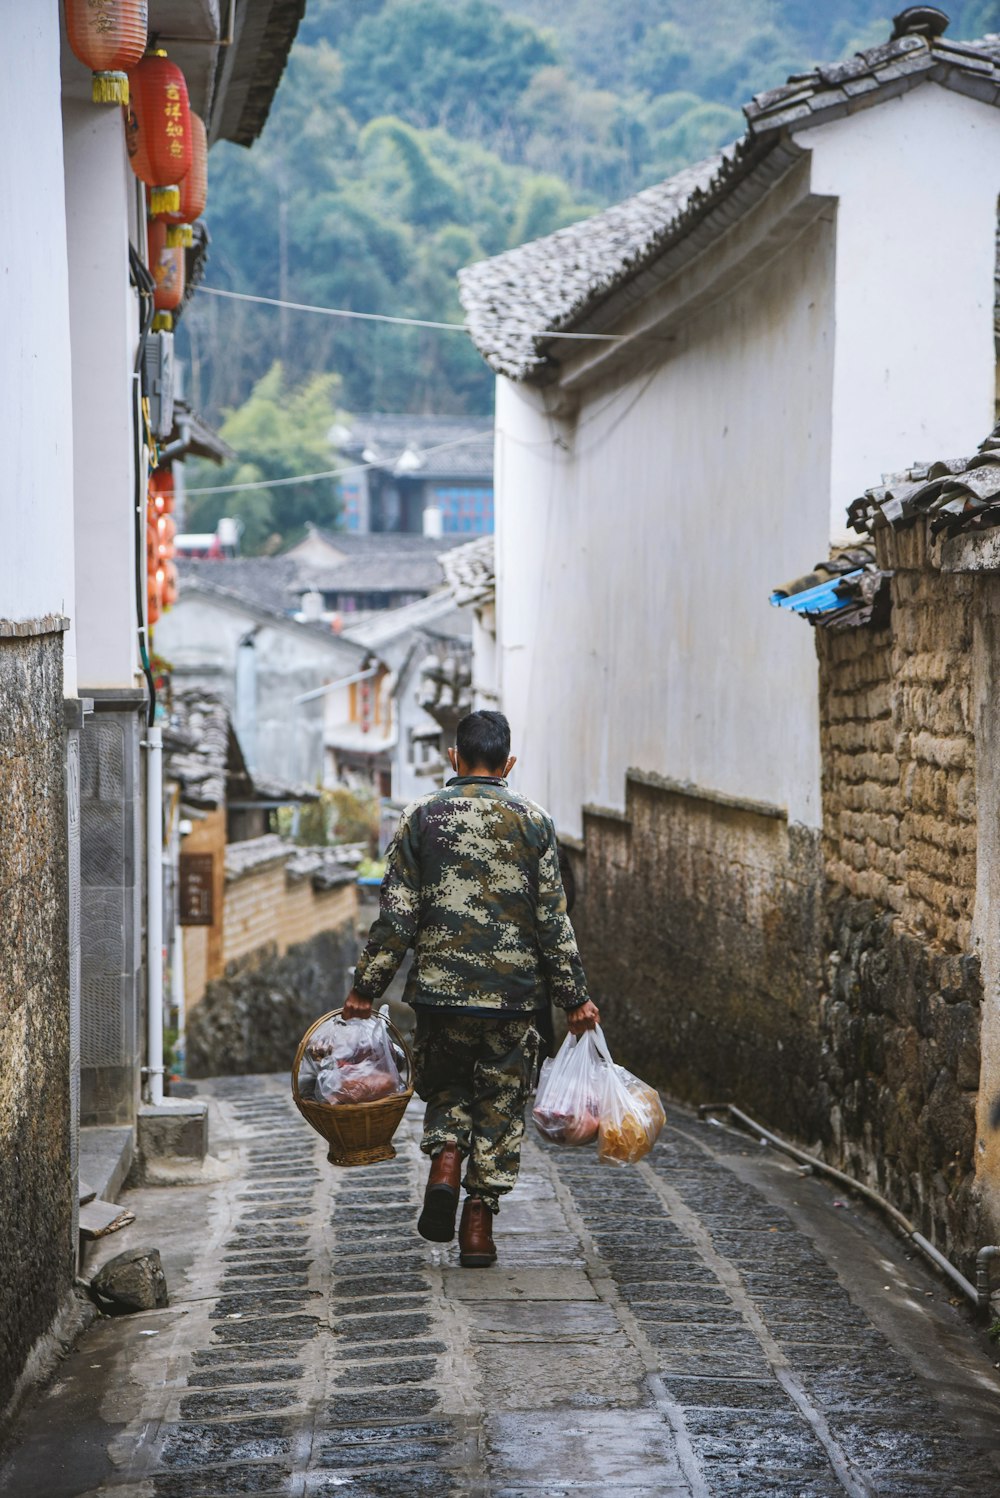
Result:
{"points": [[472, 883]]}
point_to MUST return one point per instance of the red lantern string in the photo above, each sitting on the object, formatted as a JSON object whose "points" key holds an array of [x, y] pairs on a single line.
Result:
{"points": [[193, 189], [166, 262], [158, 130], [109, 37]]}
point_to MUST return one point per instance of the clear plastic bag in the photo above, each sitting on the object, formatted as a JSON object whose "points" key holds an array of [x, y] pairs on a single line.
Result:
{"points": [[352, 1061], [570, 1089], [631, 1118]]}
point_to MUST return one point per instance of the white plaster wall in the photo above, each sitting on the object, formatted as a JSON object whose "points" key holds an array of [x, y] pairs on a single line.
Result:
{"points": [[634, 569], [917, 181], [200, 639], [36, 432], [103, 329]]}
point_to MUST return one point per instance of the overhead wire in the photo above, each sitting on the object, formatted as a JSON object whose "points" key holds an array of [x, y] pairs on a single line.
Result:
{"points": [[406, 322]]}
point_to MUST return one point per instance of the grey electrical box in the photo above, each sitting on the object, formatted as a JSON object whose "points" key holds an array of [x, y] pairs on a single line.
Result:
{"points": [[158, 382]]}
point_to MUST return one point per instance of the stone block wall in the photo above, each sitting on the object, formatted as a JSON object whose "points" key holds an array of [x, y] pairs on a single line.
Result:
{"points": [[111, 869], [902, 1012], [699, 919], [252, 1018], [37, 1249]]}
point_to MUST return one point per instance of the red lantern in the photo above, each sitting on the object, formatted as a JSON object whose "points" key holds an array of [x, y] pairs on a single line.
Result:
{"points": [[158, 130], [161, 491], [109, 37], [154, 583], [167, 576], [166, 530], [194, 189], [166, 263]]}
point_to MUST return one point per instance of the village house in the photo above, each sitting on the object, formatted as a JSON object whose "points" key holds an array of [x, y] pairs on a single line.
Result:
{"points": [[417, 475], [233, 632], [421, 660], [250, 912], [87, 386], [733, 354]]}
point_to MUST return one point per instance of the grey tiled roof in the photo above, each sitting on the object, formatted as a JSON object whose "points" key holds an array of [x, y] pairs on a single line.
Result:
{"points": [[551, 282], [958, 494], [264, 581], [470, 570], [556, 282], [196, 742], [388, 572], [465, 444]]}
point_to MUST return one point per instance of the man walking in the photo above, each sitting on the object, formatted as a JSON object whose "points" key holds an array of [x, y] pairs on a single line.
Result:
{"points": [[472, 883]]}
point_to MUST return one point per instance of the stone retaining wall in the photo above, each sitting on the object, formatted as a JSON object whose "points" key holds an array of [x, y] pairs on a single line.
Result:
{"points": [[699, 921], [252, 1018], [902, 1015], [37, 1251]]}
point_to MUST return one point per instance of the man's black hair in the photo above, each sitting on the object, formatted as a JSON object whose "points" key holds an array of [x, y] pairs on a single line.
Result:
{"points": [[483, 741]]}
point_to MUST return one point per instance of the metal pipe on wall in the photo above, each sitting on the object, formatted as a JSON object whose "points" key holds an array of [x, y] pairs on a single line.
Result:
{"points": [[154, 912]]}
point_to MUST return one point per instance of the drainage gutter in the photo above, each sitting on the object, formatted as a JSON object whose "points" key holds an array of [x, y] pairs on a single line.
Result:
{"points": [[978, 1294]]}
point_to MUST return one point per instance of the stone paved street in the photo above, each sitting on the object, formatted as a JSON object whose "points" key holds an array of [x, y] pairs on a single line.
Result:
{"points": [[709, 1322]]}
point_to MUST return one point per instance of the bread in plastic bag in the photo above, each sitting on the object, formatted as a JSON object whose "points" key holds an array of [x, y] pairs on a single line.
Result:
{"points": [[568, 1100], [351, 1061], [631, 1118]]}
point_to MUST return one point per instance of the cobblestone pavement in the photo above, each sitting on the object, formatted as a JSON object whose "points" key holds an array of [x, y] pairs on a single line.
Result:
{"points": [[706, 1323]]}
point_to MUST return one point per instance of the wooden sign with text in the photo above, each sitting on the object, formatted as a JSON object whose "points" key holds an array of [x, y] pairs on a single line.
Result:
{"points": [[197, 889]]}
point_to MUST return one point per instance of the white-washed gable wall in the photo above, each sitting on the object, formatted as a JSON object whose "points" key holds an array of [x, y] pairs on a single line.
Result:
{"points": [[636, 548], [916, 182]]}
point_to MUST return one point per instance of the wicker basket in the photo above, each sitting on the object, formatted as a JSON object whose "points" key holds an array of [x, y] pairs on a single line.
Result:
{"points": [[357, 1133]]}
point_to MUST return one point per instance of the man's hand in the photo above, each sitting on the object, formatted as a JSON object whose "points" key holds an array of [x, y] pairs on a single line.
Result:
{"points": [[355, 1007], [585, 1017]]}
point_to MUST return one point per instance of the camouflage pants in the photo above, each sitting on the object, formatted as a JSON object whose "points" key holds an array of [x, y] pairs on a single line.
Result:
{"points": [[475, 1074]]}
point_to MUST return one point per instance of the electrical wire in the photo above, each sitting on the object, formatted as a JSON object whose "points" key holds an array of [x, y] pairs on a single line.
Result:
{"points": [[330, 473], [405, 322]]}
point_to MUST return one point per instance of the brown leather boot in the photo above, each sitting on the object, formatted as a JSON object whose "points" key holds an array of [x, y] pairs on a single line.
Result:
{"points": [[437, 1220], [475, 1235]]}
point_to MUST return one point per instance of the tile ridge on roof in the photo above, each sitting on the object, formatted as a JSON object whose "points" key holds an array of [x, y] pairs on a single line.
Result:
{"points": [[506, 311]]}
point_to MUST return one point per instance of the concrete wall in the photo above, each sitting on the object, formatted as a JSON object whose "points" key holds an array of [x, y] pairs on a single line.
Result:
{"points": [[102, 332], [902, 1015]]}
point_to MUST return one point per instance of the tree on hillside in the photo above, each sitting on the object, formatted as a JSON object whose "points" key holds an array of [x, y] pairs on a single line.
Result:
{"points": [[457, 63]]}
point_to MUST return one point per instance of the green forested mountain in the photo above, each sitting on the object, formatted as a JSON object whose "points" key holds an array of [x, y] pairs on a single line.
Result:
{"points": [[410, 137]]}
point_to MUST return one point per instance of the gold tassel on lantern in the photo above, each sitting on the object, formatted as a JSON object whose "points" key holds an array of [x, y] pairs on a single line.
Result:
{"points": [[164, 199], [180, 235], [109, 88], [163, 322]]}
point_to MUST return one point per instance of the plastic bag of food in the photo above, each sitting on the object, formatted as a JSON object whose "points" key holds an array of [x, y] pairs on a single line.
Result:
{"points": [[631, 1118], [568, 1101], [355, 1061]]}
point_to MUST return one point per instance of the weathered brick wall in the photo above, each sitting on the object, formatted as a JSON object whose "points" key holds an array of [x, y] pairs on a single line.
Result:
{"points": [[901, 1017], [265, 908], [699, 922], [37, 1255], [252, 1019]]}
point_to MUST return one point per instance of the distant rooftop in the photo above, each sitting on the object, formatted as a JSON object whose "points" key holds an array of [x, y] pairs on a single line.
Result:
{"points": [[405, 445], [557, 283]]}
